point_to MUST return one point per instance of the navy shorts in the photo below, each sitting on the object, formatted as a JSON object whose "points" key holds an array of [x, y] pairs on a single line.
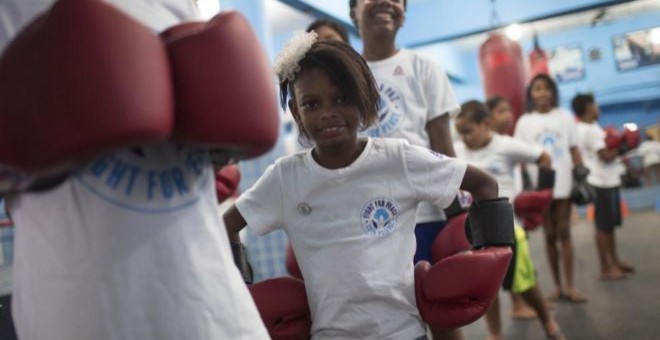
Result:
{"points": [[607, 208], [425, 234]]}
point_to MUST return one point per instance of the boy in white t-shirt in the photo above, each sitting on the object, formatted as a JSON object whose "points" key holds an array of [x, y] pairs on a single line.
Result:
{"points": [[125, 245], [605, 177], [499, 155], [348, 204], [416, 102]]}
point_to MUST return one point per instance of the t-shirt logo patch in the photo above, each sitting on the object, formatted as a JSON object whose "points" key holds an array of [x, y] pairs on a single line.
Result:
{"points": [[550, 143], [379, 217], [390, 111], [398, 71]]}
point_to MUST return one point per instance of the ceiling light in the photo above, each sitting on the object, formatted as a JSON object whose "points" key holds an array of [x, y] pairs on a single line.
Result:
{"points": [[630, 126], [654, 36], [514, 32]]}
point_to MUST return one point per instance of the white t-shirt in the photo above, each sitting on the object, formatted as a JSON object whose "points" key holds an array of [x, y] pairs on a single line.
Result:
{"points": [[414, 90], [352, 230], [132, 246], [555, 132], [591, 139], [500, 158]]}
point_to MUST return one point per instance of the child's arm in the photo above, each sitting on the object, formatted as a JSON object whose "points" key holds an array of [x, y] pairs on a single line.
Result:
{"points": [[576, 156], [440, 135], [608, 155], [234, 223], [544, 161], [580, 172], [480, 184]]}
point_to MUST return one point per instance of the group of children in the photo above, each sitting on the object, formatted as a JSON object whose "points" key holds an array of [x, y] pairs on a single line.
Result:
{"points": [[359, 206], [545, 137]]}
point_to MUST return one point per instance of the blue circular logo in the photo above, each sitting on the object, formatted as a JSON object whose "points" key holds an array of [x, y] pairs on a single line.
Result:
{"points": [[379, 217], [390, 111]]}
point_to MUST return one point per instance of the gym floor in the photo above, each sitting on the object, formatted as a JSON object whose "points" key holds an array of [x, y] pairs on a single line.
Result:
{"points": [[627, 309]]}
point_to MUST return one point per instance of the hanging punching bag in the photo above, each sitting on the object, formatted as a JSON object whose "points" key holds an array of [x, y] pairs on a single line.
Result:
{"points": [[538, 60], [503, 72]]}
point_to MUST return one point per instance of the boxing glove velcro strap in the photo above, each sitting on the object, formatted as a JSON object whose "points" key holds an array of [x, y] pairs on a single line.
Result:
{"points": [[491, 223], [240, 259], [546, 179], [454, 209]]}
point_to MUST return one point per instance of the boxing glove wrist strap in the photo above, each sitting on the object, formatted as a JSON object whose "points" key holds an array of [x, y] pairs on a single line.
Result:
{"points": [[546, 179], [491, 223]]}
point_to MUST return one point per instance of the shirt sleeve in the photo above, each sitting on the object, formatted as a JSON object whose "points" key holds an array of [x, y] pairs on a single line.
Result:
{"points": [[597, 138], [519, 131], [439, 92], [261, 205], [521, 152], [435, 177]]}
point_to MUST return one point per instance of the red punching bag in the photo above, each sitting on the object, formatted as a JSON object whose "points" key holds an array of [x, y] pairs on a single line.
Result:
{"points": [[538, 60], [503, 72]]}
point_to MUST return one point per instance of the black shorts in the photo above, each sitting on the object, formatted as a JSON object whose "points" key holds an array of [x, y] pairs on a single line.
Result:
{"points": [[607, 208]]}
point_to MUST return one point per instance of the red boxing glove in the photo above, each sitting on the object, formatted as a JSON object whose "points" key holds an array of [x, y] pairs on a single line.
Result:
{"points": [[613, 138], [226, 181], [292, 263], [532, 222], [282, 304], [631, 138], [530, 206], [460, 287], [69, 91], [225, 96]]}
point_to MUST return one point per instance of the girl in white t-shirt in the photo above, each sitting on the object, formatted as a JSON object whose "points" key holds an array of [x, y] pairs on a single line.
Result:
{"points": [[348, 203], [499, 155], [553, 128]]}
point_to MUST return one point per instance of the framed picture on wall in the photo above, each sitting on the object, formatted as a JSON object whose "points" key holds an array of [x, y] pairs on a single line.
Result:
{"points": [[566, 63], [637, 49]]}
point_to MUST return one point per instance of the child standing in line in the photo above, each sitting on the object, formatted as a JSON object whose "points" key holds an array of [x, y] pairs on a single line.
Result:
{"points": [[553, 128], [348, 203], [604, 177], [328, 30], [416, 103], [500, 119], [499, 155]]}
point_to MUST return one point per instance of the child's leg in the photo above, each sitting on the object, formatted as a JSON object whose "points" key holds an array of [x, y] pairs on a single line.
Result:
{"points": [[494, 321], [563, 216], [622, 266], [551, 250], [520, 309], [535, 299], [608, 267], [607, 216]]}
